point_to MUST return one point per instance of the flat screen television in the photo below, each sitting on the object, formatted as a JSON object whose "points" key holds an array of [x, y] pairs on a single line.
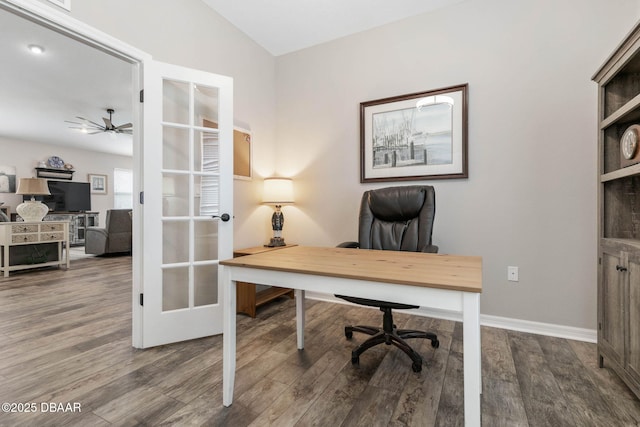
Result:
{"points": [[67, 196]]}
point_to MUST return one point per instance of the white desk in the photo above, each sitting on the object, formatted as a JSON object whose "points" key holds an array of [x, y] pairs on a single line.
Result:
{"points": [[446, 282]]}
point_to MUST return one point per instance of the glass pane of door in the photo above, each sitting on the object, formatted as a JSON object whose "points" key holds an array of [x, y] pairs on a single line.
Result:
{"points": [[190, 195]]}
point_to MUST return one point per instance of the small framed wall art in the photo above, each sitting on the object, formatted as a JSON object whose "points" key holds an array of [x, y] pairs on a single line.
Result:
{"points": [[98, 183], [7, 179], [414, 137]]}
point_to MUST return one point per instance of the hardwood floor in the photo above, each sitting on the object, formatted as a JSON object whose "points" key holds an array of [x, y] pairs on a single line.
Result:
{"points": [[66, 339]]}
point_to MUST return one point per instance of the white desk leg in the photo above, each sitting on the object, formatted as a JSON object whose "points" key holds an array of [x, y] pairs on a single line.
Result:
{"points": [[300, 317], [228, 336], [472, 358]]}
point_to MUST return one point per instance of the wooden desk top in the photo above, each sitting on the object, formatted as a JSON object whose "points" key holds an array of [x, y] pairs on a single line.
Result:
{"points": [[451, 272], [258, 249]]}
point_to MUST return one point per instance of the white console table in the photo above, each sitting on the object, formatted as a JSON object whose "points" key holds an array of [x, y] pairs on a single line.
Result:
{"points": [[35, 234]]}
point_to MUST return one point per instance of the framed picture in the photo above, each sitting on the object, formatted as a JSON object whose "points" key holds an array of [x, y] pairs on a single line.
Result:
{"points": [[414, 137], [65, 4], [98, 183], [241, 153], [242, 157], [7, 179]]}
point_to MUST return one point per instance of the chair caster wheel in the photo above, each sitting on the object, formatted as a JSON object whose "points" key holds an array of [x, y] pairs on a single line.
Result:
{"points": [[435, 343], [348, 334], [416, 367], [355, 360]]}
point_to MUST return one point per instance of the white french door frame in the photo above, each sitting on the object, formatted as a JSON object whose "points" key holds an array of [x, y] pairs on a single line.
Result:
{"points": [[201, 94], [65, 24]]}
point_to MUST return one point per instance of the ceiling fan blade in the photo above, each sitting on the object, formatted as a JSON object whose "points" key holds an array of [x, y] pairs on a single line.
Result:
{"points": [[99, 126], [88, 127], [85, 125], [107, 123]]}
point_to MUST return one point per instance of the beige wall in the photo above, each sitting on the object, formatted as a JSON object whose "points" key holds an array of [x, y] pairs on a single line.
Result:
{"points": [[530, 200], [84, 162], [531, 195], [191, 34]]}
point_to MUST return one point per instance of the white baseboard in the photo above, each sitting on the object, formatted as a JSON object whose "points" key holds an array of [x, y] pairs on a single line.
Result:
{"points": [[548, 329]]}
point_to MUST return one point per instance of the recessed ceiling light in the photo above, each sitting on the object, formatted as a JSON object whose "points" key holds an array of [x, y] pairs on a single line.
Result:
{"points": [[35, 49]]}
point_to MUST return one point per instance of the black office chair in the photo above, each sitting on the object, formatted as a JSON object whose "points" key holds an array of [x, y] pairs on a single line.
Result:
{"points": [[396, 219]]}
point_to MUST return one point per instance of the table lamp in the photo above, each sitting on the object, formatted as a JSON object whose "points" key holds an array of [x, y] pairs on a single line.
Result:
{"points": [[32, 210], [277, 191]]}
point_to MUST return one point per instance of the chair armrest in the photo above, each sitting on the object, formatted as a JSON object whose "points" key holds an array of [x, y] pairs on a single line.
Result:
{"points": [[432, 249], [97, 231], [349, 245], [95, 240]]}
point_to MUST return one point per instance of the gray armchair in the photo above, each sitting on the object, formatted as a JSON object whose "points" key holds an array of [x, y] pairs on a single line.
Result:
{"points": [[114, 238], [396, 219]]}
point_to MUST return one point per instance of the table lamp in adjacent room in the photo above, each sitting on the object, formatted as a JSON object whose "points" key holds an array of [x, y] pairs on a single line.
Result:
{"points": [[277, 191], [32, 210]]}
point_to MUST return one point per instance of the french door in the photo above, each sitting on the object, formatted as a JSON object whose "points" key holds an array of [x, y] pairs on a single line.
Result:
{"points": [[184, 165], [187, 176]]}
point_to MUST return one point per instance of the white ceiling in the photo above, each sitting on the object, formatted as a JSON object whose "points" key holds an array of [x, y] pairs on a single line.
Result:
{"points": [[38, 93], [283, 26]]}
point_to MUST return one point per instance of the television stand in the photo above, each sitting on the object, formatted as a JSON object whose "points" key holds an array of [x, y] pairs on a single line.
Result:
{"points": [[78, 223]]}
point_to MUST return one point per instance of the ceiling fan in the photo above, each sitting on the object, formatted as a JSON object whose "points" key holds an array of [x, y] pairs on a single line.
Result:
{"points": [[92, 128]]}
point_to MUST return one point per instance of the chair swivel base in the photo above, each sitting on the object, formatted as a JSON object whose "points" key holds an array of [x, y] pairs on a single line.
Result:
{"points": [[390, 335]]}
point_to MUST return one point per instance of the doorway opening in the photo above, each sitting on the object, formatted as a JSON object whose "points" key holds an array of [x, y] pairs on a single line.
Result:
{"points": [[83, 72]]}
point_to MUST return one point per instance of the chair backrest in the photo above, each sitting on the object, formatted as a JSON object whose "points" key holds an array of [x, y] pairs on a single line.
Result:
{"points": [[118, 221], [397, 218]]}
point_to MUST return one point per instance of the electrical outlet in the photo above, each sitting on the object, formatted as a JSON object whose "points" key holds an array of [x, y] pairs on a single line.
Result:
{"points": [[512, 274]]}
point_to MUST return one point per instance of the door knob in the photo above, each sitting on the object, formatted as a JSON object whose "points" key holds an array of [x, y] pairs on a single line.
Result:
{"points": [[621, 268], [224, 217]]}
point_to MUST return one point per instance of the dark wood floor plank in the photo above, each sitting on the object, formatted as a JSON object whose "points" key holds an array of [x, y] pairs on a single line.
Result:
{"points": [[420, 397], [143, 405], [502, 403], [590, 409], [29, 385], [373, 408], [616, 394], [545, 402], [451, 404], [336, 401], [299, 396]]}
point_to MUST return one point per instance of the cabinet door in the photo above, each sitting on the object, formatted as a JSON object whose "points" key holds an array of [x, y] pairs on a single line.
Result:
{"points": [[612, 316], [633, 275]]}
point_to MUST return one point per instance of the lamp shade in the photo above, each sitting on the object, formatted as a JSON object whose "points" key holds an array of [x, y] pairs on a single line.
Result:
{"points": [[33, 187], [278, 191], [32, 210]]}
